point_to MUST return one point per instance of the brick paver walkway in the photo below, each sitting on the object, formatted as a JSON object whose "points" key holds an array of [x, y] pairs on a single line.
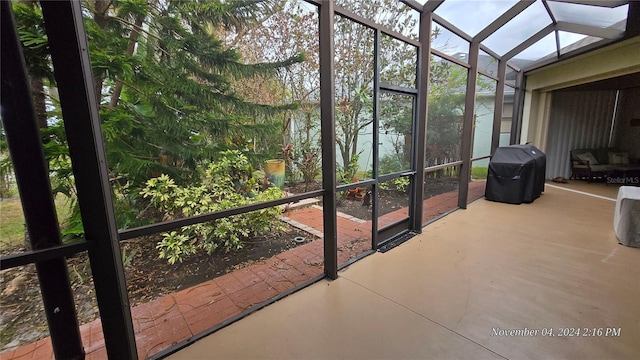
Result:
{"points": [[163, 322]]}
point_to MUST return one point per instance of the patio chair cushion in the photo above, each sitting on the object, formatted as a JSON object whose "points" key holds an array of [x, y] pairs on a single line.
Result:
{"points": [[618, 158], [587, 156]]}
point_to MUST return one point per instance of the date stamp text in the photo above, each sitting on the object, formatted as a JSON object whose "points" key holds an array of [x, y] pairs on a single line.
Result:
{"points": [[558, 332]]}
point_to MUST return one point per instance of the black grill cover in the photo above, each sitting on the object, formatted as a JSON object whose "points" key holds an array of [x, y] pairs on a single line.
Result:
{"points": [[516, 174]]}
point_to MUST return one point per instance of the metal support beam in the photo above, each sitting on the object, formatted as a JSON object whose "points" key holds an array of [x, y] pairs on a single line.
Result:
{"points": [[490, 52], [605, 33], [32, 176], [36, 256], [568, 55], [353, 17], [601, 3], [70, 55], [555, 22], [502, 19], [376, 141], [499, 105], [449, 58], [431, 5], [518, 105], [467, 126], [633, 20], [422, 109], [449, 26], [327, 122], [413, 4], [549, 12]]}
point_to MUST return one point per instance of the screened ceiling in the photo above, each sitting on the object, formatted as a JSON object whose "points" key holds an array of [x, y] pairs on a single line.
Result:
{"points": [[528, 33]]}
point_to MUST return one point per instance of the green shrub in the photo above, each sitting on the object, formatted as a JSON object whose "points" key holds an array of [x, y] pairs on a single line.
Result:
{"points": [[309, 163], [226, 184], [479, 172], [402, 183], [346, 176], [174, 246], [390, 164]]}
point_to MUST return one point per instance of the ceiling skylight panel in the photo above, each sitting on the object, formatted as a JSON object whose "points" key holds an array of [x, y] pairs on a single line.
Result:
{"points": [[597, 16], [472, 16], [544, 47], [520, 28], [570, 41]]}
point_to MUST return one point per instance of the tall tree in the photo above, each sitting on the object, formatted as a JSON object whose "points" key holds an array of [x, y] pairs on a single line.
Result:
{"points": [[165, 82], [290, 30], [446, 109], [30, 27], [354, 68]]}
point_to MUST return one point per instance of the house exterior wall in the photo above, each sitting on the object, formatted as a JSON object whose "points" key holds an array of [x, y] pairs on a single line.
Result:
{"points": [[482, 129], [619, 59], [577, 120], [627, 135], [546, 122]]}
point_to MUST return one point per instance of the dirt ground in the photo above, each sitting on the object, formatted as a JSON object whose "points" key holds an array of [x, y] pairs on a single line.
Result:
{"points": [[392, 199]]}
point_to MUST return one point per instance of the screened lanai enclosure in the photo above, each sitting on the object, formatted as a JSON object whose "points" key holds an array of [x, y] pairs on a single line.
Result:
{"points": [[181, 164]]}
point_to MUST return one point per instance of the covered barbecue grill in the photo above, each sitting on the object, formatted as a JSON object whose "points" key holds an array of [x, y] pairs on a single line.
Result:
{"points": [[516, 174]]}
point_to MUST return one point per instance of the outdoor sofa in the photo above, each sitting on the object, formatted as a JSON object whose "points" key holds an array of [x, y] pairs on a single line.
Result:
{"points": [[600, 163]]}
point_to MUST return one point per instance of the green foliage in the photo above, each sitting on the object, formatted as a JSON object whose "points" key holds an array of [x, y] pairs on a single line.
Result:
{"points": [[127, 256], [74, 228], [354, 73], [12, 229], [130, 210], [347, 175], [81, 274], [396, 120], [402, 183], [161, 192], [177, 107], [391, 163], [226, 184], [240, 172], [479, 172], [174, 247], [31, 31], [446, 109], [309, 163], [7, 188], [165, 79]]}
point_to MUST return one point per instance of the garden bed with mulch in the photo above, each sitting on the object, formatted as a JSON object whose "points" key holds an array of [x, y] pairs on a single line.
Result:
{"points": [[23, 320]]}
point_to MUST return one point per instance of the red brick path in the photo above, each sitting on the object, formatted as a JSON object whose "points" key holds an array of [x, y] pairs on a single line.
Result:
{"points": [[163, 322]]}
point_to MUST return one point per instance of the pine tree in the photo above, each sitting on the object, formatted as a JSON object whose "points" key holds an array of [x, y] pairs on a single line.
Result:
{"points": [[165, 83]]}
